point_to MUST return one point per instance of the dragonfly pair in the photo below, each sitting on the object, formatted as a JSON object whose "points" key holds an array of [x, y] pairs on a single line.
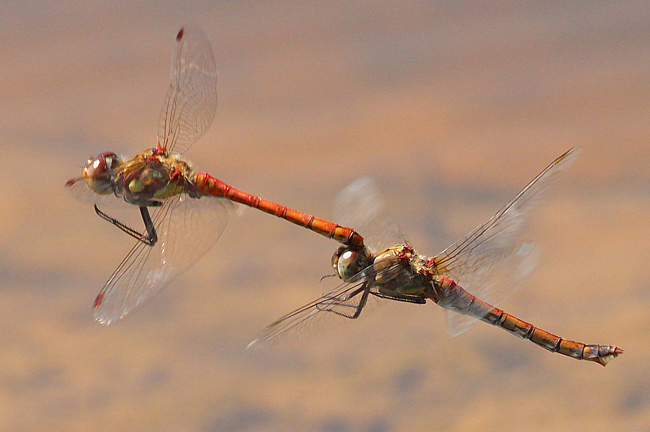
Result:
{"points": [[189, 215]]}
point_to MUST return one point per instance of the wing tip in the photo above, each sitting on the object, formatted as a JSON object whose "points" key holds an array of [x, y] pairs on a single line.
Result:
{"points": [[100, 313], [570, 154]]}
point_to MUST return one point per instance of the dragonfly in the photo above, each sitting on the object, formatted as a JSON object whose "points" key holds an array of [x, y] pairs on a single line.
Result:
{"points": [[467, 279], [184, 212]]}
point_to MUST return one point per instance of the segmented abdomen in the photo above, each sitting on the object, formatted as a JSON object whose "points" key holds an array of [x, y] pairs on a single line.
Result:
{"points": [[451, 296], [212, 186]]}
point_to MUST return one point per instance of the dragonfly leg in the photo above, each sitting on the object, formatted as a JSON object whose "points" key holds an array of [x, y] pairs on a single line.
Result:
{"points": [[148, 224], [404, 298], [328, 307], [150, 239], [364, 299]]}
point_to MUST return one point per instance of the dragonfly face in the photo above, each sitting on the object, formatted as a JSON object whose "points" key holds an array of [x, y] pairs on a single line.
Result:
{"points": [[347, 261], [99, 173]]}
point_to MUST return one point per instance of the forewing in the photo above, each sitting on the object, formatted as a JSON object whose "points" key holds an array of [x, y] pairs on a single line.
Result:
{"points": [[492, 261], [342, 302], [360, 206], [191, 100], [187, 228]]}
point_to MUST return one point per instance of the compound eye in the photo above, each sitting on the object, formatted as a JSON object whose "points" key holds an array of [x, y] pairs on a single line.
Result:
{"points": [[347, 262], [94, 168], [98, 172], [111, 161], [105, 164]]}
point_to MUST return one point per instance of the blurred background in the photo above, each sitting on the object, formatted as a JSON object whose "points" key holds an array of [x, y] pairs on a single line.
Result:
{"points": [[452, 107]]}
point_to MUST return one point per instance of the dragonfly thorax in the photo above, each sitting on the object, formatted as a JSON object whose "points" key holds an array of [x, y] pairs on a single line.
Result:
{"points": [[151, 177], [347, 261], [411, 280]]}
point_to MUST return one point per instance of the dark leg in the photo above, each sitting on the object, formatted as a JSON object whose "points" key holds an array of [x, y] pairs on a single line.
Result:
{"points": [[150, 239], [148, 224], [364, 299], [364, 289], [404, 298]]}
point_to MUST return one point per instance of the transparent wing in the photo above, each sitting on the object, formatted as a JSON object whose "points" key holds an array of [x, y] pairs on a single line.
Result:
{"points": [[361, 207], [80, 191], [187, 228], [191, 101], [343, 301], [492, 261]]}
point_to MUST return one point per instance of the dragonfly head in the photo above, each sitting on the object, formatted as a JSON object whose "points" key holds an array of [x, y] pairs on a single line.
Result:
{"points": [[98, 172], [348, 260]]}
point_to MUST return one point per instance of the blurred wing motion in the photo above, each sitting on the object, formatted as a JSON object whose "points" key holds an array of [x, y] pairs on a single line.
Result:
{"points": [[346, 300], [79, 190], [191, 100], [187, 228], [361, 206], [492, 261]]}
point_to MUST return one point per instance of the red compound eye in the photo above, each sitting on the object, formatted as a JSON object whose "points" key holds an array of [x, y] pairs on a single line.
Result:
{"points": [[99, 172]]}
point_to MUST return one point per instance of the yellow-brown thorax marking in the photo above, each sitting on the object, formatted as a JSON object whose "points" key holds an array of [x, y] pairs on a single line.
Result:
{"points": [[151, 177], [413, 280]]}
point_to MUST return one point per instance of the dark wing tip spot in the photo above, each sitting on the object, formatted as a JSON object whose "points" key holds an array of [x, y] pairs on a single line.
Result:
{"points": [[180, 34], [98, 301]]}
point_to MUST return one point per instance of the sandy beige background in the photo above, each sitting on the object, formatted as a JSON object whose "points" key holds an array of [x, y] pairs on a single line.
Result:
{"points": [[452, 106]]}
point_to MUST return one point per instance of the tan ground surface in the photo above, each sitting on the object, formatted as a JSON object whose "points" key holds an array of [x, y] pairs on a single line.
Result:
{"points": [[452, 107]]}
